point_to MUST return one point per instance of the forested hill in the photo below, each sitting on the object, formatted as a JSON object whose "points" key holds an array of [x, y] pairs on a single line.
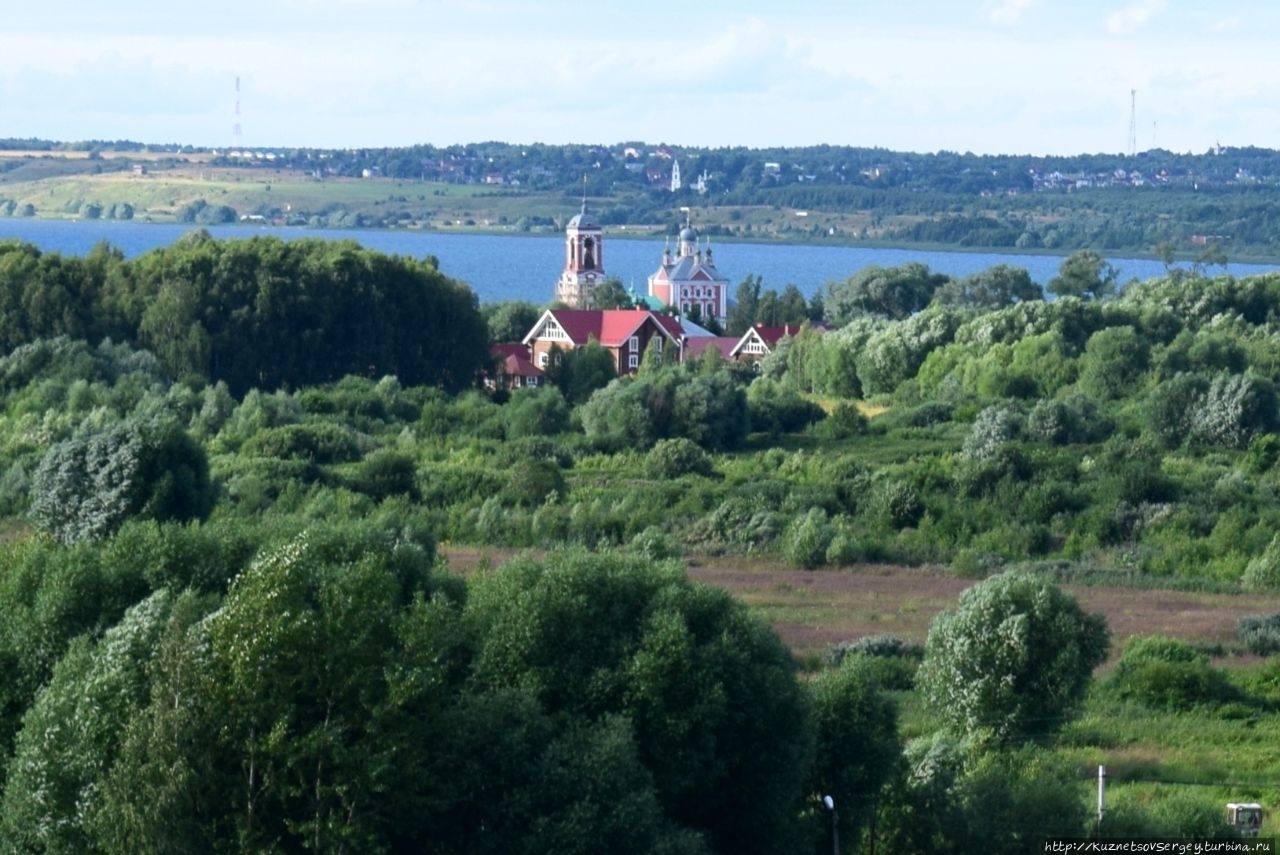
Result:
{"points": [[1155, 201]]}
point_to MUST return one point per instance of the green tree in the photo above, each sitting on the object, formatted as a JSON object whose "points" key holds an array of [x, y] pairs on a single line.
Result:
{"points": [[743, 310], [1084, 274], [309, 737], [1012, 800], [86, 486], [892, 292], [49, 595], [857, 742], [612, 294], [1235, 410], [1114, 359], [578, 373], [536, 412], [717, 717], [1012, 660], [52, 797], [510, 320], [921, 814], [1001, 285]]}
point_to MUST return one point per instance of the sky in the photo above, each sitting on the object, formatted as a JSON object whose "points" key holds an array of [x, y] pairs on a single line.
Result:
{"points": [[1037, 77]]}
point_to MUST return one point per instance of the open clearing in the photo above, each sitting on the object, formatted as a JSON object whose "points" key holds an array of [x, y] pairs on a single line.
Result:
{"points": [[811, 609]]}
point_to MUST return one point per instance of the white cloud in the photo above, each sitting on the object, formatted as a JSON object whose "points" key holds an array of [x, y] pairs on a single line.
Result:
{"points": [[1009, 12], [1227, 25], [1133, 17]]}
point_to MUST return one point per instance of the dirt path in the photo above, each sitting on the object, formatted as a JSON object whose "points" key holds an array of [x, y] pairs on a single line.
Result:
{"points": [[811, 609]]}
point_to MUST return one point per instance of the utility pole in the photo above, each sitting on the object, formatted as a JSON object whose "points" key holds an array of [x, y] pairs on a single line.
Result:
{"points": [[830, 805], [1102, 797]]}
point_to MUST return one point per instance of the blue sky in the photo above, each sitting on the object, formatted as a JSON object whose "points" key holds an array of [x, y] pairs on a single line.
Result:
{"points": [[987, 76]]}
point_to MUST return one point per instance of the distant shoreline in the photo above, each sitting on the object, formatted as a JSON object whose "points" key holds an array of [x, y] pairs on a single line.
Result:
{"points": [[654, 232]]}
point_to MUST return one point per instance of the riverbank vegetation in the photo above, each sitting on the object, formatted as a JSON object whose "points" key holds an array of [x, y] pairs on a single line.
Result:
{"points": [[230, 470]]}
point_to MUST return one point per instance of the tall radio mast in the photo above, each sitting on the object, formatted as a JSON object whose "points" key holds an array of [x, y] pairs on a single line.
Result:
{"points": [[235, 129], [1133, 122]]}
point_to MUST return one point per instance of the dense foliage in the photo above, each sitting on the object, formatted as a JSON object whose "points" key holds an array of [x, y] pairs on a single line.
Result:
{"points": [[261, 313], [232, 589], [343, 695]]}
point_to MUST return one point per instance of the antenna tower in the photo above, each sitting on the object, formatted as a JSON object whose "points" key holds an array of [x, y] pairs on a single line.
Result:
{"points": [[1133, 122], [235, 129]]}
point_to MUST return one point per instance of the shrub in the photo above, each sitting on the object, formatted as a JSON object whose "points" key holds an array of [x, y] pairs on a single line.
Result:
{"points": [[655, 544], [1166, 673], [533, 482], [386, 472], [879, 646], [1262, 454], [672, 458], [1263, 572], [845, 421], [1113, 361], [739, 522], [926, 414], [994, 427], [807, 538], [319, 442], [899, 504], [1070, 420], [843, 550], [1236, 409], [536, 413], [1260, 634], [775, 408]]}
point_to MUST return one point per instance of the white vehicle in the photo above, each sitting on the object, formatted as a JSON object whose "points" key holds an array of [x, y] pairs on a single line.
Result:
{"points": [[1244, 817]]}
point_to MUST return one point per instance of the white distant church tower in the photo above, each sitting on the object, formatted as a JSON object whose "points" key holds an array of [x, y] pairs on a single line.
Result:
{"points": [[675, 176]]}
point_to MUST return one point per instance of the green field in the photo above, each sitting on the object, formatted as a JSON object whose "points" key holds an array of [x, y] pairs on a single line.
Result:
{"points": [[60, 186]]}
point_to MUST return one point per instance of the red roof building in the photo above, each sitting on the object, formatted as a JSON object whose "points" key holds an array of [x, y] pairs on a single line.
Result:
{"points": [[759, 341], [512, 367], [625, 333]]}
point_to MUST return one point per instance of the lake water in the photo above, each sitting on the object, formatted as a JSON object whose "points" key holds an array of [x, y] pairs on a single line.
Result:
{"points": [[525, 267]]}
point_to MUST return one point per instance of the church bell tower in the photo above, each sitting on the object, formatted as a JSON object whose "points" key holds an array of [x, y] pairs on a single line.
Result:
{"points": [[583, 261]]}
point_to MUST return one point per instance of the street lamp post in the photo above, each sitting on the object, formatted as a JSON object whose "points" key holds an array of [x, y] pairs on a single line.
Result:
{"points": [[830, 804]]}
